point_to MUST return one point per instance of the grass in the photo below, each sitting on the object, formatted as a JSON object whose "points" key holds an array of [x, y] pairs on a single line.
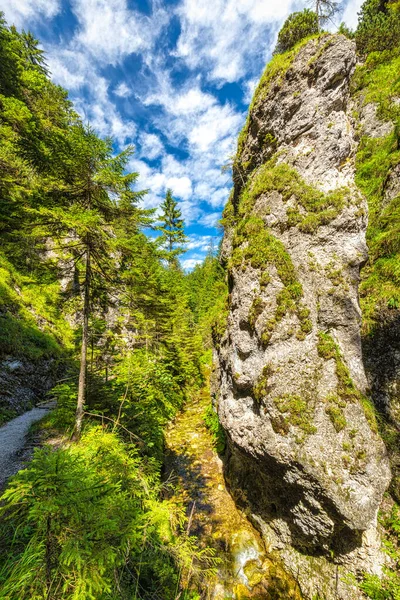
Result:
{"points": [[215, 428], [378, 81]]}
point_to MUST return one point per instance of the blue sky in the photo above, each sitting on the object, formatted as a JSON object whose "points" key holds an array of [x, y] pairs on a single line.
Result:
{"points": [[172, 77]]}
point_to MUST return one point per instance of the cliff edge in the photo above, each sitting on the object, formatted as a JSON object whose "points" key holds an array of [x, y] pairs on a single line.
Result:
{"points": [[304, 456]]}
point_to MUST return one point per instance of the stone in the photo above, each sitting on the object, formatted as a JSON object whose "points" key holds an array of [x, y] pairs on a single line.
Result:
{"points": [[304, 457]]}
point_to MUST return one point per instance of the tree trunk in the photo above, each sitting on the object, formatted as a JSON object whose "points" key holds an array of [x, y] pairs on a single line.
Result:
{"points": [[317, 10], [83, 366]]}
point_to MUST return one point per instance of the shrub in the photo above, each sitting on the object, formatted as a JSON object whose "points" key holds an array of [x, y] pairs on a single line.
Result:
{"points": [[379, 26], [85, 522], [346, 31], [297, 26], [214, 426]]}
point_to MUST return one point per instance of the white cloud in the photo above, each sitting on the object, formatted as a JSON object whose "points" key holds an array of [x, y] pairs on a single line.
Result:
{"points": [[189, 263], [210, 219], [122, 90], [218, 35], [75, 70], [221, 40], [350, 16], [19, 12], [180, 186], [199, 242], [109, 30], [249, 89], [219, 198], [68, 68], [151, 146]]}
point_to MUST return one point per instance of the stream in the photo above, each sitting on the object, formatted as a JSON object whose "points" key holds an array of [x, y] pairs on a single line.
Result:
{"points": [[245, 569], [14, 449]]}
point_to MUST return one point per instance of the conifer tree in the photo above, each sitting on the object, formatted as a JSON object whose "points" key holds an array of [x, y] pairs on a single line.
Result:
{"points": [[172, 236], [95, 195]]}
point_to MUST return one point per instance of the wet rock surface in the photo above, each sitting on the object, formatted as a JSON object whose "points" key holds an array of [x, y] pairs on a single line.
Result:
{"points": [[245, 570]]}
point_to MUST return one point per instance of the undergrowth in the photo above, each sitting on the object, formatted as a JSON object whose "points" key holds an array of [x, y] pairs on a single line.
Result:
{"points": [[214, 426], [378, 81], [24, 304], [94, 527]]}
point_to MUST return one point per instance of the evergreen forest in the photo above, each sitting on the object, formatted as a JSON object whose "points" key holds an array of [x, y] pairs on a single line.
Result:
{"points": [[96, 310]]}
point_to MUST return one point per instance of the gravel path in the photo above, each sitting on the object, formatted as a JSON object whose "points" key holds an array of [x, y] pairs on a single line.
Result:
{"points": [[14, 450]]}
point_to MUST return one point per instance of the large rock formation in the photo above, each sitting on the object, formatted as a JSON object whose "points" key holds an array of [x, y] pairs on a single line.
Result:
{"points": [[304, 453]]}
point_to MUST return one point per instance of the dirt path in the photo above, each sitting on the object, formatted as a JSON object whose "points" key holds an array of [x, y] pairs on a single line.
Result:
{"points": [[14, 450], [246, 571]]}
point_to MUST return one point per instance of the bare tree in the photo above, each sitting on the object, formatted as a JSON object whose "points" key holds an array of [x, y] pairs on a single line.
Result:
{"points": [[326, 10]]}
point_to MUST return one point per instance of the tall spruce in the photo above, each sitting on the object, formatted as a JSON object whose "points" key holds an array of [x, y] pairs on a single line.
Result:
{"points": [[173, 236], [95, 196]]}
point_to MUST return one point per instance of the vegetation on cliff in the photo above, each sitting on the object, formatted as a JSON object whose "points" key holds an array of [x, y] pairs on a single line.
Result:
{"points": [[83, 287], [259, 168]]}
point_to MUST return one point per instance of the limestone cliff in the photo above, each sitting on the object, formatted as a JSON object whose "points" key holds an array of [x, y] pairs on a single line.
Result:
{"points": [[304, 454]]}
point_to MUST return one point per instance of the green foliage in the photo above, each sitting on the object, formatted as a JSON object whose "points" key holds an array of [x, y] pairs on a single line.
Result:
{"points": [[89, 520], [377, 81], [212, 423], [23, 303], [387, 587], [208, 298], [297, 411], [346, 31], [297, 26], [378, 26], [173, 236], [80, 520]]}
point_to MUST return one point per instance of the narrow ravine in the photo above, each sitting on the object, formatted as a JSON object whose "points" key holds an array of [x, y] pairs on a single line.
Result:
{"points": [[14, 450], [245, 571]]}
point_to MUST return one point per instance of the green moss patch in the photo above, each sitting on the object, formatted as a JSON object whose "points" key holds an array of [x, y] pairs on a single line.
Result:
{"points": [[312, 207], [297, 411], [346, 390], [263, 387], [378, 81], [256, 308]]}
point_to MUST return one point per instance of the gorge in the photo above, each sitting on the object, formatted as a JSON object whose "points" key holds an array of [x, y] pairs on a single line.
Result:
{"points": [[239, 422]]}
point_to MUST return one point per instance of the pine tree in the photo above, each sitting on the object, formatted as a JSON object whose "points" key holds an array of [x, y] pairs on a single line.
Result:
{"points": [[93, 199], [173, 236], [296, 27], [378, 26]]}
